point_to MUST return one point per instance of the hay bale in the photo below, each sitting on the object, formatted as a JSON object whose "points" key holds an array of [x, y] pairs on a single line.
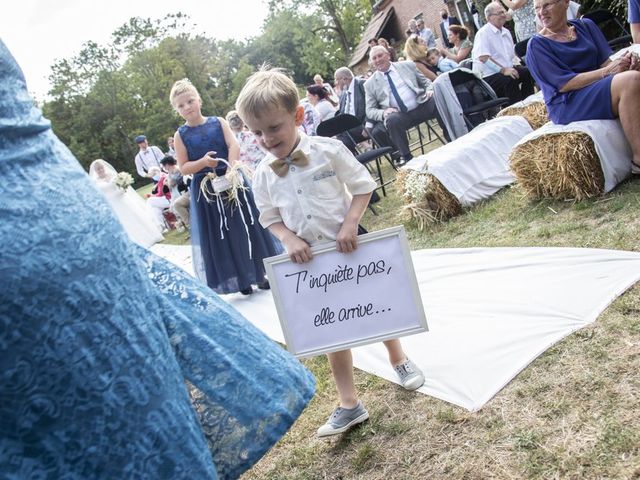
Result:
{"points": [[559, 166], [535, 113], [426, 199]]}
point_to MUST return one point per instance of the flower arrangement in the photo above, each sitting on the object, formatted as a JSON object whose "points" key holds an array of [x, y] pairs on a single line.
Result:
{"points": [[231, 184], [123, 180], [415, 185]]}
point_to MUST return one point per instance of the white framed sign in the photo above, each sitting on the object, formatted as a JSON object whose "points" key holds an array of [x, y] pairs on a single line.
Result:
{"points": [[338, 301]]}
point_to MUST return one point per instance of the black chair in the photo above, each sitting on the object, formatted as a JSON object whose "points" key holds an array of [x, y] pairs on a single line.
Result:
{"points": [[477, 99], [342, 124], [421, 141], [466, 63], [521, 49], [613, 29]]}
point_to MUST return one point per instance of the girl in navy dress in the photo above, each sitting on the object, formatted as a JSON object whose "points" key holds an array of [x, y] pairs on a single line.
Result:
{"points": [[228, 242]]}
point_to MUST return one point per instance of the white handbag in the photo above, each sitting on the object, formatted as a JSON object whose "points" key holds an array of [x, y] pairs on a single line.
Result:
{"points": [[222, 183]]}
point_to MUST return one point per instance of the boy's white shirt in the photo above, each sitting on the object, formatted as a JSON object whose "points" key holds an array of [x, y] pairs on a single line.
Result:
{"points": [[312, 200]]}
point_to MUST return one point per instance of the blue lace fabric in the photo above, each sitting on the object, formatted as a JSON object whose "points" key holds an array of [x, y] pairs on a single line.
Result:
{"points": [[113, 362], [228, 242]]}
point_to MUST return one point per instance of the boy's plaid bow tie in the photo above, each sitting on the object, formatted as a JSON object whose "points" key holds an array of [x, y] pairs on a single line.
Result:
{"points": [[281, 165]]}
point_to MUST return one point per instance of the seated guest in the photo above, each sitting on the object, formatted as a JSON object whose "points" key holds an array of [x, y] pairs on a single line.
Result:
{"points": [[353, 102], [417, 51], [442, 64], [570, 61], [461, 45], [250, 152], [178, 188], [493, 54], [318, 80], [323, 106], [307, 126], [159, 198], [399, 97]]}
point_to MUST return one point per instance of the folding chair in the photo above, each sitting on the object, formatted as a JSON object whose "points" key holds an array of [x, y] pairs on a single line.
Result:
{"points": [[478, 100], [466, 63], [521, 49], [342, 124], [420, 143], [613, 29]]}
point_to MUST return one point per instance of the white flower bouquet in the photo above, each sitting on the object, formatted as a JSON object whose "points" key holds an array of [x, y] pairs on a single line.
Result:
{"points": [[123, 180]]}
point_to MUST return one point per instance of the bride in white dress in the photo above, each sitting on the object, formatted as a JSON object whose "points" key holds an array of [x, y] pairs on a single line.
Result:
{"points": [[128, 206]]}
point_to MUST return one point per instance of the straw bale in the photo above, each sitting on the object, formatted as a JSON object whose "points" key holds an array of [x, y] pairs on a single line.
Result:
{"points": [[535, 113], [426, 199], [559, 166]]}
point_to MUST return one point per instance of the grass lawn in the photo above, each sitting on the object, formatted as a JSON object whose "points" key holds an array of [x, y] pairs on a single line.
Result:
{"points": [[573, 413]]}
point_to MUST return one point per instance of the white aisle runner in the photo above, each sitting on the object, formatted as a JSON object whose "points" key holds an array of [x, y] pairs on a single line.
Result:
{"points": [[491, 311]]}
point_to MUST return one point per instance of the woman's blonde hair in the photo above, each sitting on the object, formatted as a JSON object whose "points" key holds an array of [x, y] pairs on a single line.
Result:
{"points": [[182, 86], [265, 89], [414, 49]]}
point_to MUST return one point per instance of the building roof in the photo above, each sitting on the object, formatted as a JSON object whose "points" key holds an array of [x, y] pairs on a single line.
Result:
{"points": [[376, 25]]}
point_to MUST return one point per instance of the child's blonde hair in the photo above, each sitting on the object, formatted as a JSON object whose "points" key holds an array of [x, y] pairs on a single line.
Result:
{"points": [[265, 89], [414, 49], [182, 86]]}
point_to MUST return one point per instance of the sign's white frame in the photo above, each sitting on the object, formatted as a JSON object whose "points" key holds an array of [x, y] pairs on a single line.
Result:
{"points": [[366, 242]]}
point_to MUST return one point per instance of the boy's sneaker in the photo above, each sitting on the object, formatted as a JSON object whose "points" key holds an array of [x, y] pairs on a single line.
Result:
{"points": [[342, 419], [410, 375]]}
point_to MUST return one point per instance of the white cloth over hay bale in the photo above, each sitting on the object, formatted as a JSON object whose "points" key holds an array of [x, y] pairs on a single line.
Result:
{"points": [[532, 108], [575, 161], [471, 168]]}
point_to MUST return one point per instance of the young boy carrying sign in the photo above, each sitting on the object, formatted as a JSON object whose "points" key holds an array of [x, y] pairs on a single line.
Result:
{"points": [[311, 190]]}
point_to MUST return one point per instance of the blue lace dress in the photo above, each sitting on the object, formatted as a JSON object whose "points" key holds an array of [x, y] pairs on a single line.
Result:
{"points": [[113, 362], [228, 242]]}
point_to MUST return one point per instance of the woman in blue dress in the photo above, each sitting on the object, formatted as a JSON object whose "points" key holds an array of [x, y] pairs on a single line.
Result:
{"points": [[227, 240], [102, 343], [570, 62]]}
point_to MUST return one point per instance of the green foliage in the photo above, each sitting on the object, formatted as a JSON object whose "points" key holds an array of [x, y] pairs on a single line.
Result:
{"points": [[106, 94], [618, 7]]}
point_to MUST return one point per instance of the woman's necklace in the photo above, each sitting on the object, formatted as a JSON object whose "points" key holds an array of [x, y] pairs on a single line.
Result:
{"points": [[570, 34]]}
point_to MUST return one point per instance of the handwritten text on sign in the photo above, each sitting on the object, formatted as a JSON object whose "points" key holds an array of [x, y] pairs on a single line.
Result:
{"points": [[342, 300]]}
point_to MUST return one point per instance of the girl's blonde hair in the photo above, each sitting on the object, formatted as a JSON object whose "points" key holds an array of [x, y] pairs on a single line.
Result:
{"points": [[264, 90], [182, 86], [414, 49]]}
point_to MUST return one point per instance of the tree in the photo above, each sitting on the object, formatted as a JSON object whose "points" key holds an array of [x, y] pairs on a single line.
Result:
{"points": [[106, 94], [331, 30]]}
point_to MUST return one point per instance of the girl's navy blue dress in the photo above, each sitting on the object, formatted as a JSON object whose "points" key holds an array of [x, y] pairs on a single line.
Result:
{"points": [[113, 362], [228, 242]]}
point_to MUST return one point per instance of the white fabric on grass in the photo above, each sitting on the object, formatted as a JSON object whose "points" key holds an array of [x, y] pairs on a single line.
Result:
{"points": [[611, 145], [476, 165], [491, 311]]}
